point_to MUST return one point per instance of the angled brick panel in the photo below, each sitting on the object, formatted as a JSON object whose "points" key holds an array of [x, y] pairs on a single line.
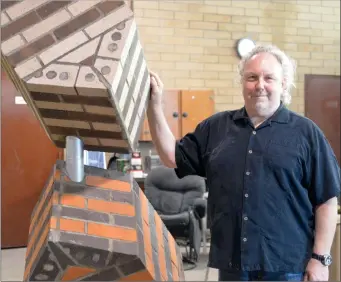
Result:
{"points": [[102, 229], [80, 67]]}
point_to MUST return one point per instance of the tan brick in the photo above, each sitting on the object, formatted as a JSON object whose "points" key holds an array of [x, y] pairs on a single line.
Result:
{"points": [[173, 6], [159, 48], [321, 40], [189, 32], [228, 75], [153, 56], [147, 4], [231, 11], [297, 23], [189, 66], [226, 43], [222, 99], [189, 82], [310, 48], [271, 6], [176, 73], [244, 20], [188, 16], [253, 12], [203, 42], [232, 27], [321, 25], [157, 31], [331, 18], [297, 8], [217, 83], [332, 3], [217, 34], [337, 26], [311, 63], [200, 8], [300, 55], [331, 34], [218, 3], [258, 28], [147, 22], [138, 13], [298, 39], [159, 14], [331, 63], [309, 32], [217, 67], [311, 3], [174, 57], [173, 23], [265, 37], [175, 40], [217, 18], [228, 59], [203, 25], [271, 22], [189, 49], [322, 10], [218, 51], [204, 59], [290, 46], [237, 35], [245, 4], [309, 17], [204, 74], [161, 65]]}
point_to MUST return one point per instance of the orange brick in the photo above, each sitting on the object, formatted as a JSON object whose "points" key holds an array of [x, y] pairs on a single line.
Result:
{"points": [[111, 207], [113, 232]]}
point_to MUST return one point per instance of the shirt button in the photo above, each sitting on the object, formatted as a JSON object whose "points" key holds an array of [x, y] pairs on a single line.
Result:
{"points": [[248, 173], [244, 239], [246, 195], [245, 218], [254, 132], [250, 151]]}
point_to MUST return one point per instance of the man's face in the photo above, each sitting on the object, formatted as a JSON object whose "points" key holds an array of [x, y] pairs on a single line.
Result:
{"points": [[262, 83]]}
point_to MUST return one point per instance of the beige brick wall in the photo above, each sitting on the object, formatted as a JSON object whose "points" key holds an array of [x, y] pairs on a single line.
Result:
{"points": [[191, 43]]}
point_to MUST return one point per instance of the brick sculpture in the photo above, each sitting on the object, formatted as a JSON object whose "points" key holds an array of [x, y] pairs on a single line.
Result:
{"points": [[100, 229], [80, 67]]}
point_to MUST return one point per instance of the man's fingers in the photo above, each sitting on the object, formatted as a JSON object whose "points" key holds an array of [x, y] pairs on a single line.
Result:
{"points": [[305, 278], [157, 78]]}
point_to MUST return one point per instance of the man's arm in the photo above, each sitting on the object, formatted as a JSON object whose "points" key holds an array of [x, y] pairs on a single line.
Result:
{"points": [[325, 226], [162, 136]]}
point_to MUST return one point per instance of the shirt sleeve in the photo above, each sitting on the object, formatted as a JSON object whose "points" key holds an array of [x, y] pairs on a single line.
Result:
{"points": [[325, 172], [189, 152]]}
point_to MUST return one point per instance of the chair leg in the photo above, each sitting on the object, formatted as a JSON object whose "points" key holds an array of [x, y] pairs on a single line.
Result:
{"points": [[207, 273]]}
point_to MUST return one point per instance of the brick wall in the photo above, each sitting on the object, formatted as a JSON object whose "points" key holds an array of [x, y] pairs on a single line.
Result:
{"points": [[191, 43]]}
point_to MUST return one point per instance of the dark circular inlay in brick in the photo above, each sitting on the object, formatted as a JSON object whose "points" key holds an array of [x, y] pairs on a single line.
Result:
{"points": [[64, 75], [105, 70], [38, 74], [112, 47], [89, 77], [96, 257], [80, 255], [116, 36], [51, 74], [121, 26]]}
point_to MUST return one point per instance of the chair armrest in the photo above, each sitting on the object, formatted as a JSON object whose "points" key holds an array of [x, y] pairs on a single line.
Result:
{"points": [[199, 207]]}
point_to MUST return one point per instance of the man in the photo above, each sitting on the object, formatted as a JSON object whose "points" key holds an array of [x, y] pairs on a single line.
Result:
{"points": [[272, 176]]}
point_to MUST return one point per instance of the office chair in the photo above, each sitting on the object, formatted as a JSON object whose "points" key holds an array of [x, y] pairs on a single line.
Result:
{"points": [[181, 206]]}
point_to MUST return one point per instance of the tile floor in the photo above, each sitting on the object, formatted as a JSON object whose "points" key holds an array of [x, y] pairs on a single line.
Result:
{"points": [[13, 261]]}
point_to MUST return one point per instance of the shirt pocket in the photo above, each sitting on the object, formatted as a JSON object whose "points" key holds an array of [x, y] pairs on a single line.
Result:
{"points": [[281, 155]]}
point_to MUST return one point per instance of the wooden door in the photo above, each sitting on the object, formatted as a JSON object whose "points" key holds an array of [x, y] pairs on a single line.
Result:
{"points": [[27, 158], [196, 105], [170, 106], [322, 105]]}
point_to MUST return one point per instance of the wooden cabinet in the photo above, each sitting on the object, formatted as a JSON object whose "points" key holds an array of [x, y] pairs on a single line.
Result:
{"points": [[183, 109]]}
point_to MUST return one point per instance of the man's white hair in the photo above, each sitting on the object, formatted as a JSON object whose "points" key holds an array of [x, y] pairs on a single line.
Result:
{"points": [[288, 68]]}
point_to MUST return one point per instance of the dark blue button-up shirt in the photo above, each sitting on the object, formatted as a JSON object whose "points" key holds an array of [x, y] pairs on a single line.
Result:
{"points": [[264, 184]]}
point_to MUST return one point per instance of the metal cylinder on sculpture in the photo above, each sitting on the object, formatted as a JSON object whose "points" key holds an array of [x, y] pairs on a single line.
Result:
{"points": [[74, 158], [81, 69]]}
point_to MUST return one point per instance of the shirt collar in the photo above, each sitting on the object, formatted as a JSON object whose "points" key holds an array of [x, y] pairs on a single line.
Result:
{"points": [[281, 115]]}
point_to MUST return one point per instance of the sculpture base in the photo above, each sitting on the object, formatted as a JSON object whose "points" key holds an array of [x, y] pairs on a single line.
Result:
{"points": [[100, 229]]}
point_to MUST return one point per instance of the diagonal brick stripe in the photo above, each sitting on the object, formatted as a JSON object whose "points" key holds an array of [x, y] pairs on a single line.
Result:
{"points": [[79, 65]]}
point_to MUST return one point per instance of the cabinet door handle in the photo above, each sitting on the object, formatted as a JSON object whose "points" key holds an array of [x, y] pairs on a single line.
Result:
{"points": [[175, 114], [185, 114]]}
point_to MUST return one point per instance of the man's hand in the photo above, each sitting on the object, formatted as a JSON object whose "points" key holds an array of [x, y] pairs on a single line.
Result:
{"points": [[316, 271], [156, 90]]}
